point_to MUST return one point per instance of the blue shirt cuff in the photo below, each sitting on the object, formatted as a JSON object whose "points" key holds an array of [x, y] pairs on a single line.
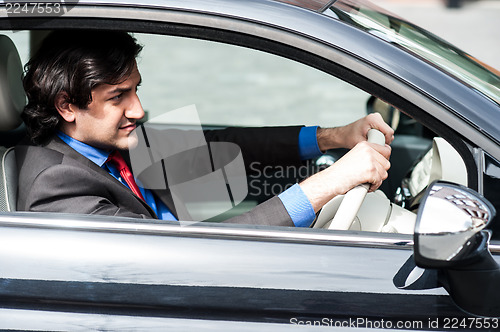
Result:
{"points": [[298, 206], [308, 143]]}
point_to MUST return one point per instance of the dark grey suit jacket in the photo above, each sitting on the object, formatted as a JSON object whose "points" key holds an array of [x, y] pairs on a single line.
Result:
{"points": [[56, 178]]}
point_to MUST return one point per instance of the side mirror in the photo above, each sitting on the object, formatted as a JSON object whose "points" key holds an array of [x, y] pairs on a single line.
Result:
{"points": [[450, 236], [449, 224]]}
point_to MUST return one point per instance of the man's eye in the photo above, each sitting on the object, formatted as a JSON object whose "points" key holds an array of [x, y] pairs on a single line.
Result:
{"points": [[117, 97]]}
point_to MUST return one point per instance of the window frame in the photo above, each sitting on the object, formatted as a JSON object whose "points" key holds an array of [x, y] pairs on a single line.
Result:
{"points": [[356, 77]]}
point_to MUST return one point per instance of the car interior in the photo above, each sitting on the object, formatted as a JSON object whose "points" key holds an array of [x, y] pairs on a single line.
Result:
{"points": [[418, 158]]}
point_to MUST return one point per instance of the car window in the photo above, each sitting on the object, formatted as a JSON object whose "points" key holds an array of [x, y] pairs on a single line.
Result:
{"points": [[228, 85]]}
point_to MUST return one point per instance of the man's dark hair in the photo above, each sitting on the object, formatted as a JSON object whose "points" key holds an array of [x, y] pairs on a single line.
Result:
{"points": [[74, 62]]}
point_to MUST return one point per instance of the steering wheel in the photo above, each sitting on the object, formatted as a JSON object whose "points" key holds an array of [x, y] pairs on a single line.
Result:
{"points": [[354, 198]]}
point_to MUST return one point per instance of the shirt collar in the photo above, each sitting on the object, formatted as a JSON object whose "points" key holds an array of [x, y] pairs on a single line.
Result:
{"points": [[98, 156]]}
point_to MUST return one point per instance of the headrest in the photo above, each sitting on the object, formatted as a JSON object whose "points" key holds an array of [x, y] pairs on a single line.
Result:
{"points": [[12, 96]]}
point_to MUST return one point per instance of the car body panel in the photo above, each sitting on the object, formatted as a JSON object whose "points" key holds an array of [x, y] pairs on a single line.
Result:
{"points": [[207, 267], [56, 321], [96, 267]]}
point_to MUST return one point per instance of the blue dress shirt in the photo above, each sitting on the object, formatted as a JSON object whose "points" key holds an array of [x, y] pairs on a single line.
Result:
{"points": [[295, 201]]}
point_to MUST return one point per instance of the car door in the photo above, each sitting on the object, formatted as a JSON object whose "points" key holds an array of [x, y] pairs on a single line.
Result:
{"points": [[67, 266]]}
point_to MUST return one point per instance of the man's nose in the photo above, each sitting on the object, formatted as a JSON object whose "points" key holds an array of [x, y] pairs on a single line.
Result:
{"points": [[135, 110]]}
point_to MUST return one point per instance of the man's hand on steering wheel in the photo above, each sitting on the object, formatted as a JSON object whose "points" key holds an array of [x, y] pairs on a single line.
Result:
{"points": [[350, 135], [364, 163]]}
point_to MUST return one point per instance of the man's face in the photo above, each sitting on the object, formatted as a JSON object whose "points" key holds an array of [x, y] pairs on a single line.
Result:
{"points": [[110, 118]]}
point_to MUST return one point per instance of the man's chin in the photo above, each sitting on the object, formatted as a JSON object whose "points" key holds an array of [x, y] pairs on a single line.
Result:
{"points": [[132, 141]]}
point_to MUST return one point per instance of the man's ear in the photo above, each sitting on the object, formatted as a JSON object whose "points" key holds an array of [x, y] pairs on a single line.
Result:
{"points": [[64, 108]]}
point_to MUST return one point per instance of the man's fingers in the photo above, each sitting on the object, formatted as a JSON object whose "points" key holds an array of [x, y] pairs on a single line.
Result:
{"points": [[376, 163], [380, 175], [385, 150], [376, 121]]}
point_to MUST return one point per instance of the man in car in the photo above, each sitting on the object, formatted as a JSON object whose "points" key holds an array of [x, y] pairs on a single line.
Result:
{"points": [[83, 106]]}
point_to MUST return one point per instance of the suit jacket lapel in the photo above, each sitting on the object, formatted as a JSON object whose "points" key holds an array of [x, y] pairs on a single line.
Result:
{"points": [[178, 209], [58, 145]]}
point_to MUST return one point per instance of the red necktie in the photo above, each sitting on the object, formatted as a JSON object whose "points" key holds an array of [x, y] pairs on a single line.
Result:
{"points": [[117, 160]]}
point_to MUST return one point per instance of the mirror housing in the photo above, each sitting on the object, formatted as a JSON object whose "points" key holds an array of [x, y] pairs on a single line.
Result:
{"points": [[450, 236], [450, 220]]}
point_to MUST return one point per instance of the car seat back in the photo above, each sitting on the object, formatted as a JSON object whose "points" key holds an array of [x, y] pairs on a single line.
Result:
{"points": [[12, 101], [12, 96]]}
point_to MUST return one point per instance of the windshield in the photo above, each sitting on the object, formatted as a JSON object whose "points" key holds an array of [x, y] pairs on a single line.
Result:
{"points": [[387, 26]]}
